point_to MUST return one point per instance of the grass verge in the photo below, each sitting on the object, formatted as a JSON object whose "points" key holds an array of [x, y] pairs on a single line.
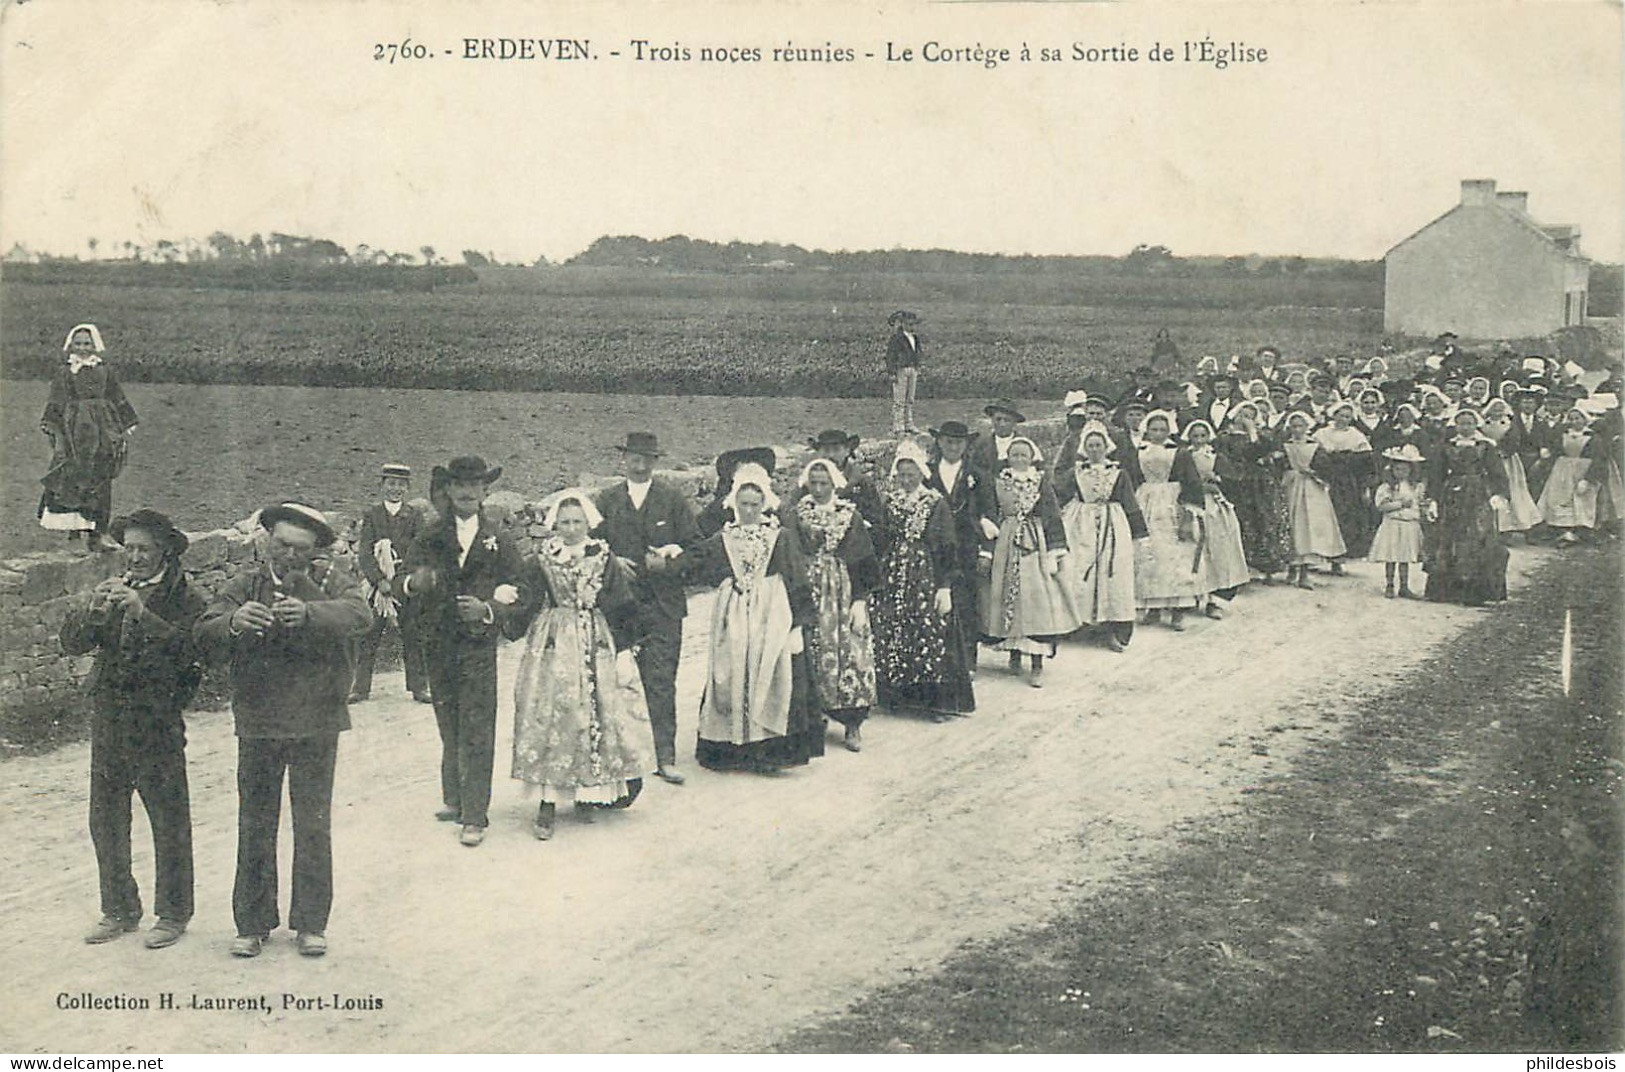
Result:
{"points": [[1443, 877]]}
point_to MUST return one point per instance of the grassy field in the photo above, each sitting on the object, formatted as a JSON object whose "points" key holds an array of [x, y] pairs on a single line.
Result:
{"points": [[810, 334], [1444, 877]]}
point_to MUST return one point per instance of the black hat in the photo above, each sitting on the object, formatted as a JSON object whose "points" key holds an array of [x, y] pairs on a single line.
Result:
{"points": [[953, 430], [903, 316], [729, 460], [1271, 350], [834, 437], [1277, 387], [1102, 398], [471, 467], [1004, 405], [395, 469], [306, 517], [641, 443], [171, 540]]}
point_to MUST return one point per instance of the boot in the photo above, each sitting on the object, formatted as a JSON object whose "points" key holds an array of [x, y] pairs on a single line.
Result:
{"points": [[1176, 620], [1015, 662], [1036, 677], [854, 739]]}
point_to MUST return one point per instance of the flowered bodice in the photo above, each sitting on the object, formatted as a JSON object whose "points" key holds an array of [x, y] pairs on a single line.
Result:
{"points": [[1156, 462], [1095, 482], [1017, 492], [909, 514], [749, 547], [574, 581], [827, 525]]}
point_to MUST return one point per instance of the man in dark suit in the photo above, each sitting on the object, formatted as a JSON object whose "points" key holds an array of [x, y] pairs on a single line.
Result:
{"points": [[466, 575], [987, 453], [140, 627], [968, 491], [905, 352], [288, 640], [648, 522], [388, 530]]}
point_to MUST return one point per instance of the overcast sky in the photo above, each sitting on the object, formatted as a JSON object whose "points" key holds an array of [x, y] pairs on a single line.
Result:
{"points": [[125, 120]]}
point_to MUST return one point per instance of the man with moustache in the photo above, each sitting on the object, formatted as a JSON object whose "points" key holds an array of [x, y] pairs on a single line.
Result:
{"points": [[288, 639], [146, 670]]}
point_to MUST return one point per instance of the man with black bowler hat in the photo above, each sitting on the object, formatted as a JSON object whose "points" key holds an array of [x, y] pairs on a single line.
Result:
{"points": [[288, 640], [648, 523], [465, 574], [140, 627]]}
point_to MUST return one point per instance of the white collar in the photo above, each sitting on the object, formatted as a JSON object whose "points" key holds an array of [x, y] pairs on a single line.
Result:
{"points": [[392, 508], [75, 362], [467, 528]]}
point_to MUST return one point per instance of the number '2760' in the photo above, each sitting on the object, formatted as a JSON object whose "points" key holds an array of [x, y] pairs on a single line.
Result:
{"points": [[406, 50]]}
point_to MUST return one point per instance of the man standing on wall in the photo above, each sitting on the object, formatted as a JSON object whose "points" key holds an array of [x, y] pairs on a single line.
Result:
{"points": [[288, 640], [647, 522], [140, 627], [904, 352]]}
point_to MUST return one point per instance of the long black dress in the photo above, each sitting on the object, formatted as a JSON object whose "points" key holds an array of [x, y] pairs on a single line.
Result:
{"points": [[920, 656], [1466, 562], [86, 416], [1251, 472]]}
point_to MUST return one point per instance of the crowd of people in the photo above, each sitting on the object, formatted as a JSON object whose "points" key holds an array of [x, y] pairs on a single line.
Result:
{"points": [[846, 588]]}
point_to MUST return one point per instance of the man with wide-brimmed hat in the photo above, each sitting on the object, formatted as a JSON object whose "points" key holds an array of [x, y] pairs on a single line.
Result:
{"points": [[140, 625], [388, 529], [649, 522], [987, 453], [288, 640], [717, 513], [839, 448], [466, 576], [905, 351], [969, 491]]}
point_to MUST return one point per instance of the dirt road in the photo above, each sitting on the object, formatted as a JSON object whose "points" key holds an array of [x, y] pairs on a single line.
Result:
{"points": [[721, 914]]}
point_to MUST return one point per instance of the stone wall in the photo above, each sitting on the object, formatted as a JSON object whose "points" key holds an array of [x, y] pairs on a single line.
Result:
{"points": [[42, 700]]}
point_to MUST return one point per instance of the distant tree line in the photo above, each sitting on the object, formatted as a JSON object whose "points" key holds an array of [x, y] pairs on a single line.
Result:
{"points": [[682, 253], [275, 248]]}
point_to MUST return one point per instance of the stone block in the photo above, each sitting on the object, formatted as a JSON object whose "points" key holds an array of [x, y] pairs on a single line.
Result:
{"points": [[11, 581], [208, 549]]}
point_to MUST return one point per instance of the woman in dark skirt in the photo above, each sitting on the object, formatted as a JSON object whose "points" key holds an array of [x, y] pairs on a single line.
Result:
{"points": [[841, 571], [1466, 562], [757, 713], [1252, 462], [920, 647], [88, 420], [1349, 465]]}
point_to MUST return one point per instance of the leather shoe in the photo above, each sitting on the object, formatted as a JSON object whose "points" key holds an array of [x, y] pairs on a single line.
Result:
{"points": [[1116, 645], [543, 826], [357, 697], [422, 696], [854, 739], [312, 944], [247, 945], [448, 815], [671, 775], [472, 835], [108, 928], [165, 933]]}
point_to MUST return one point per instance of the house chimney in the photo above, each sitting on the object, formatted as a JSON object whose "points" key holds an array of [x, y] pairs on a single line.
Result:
{"points": [[1516, 200], [1478, 191]]}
